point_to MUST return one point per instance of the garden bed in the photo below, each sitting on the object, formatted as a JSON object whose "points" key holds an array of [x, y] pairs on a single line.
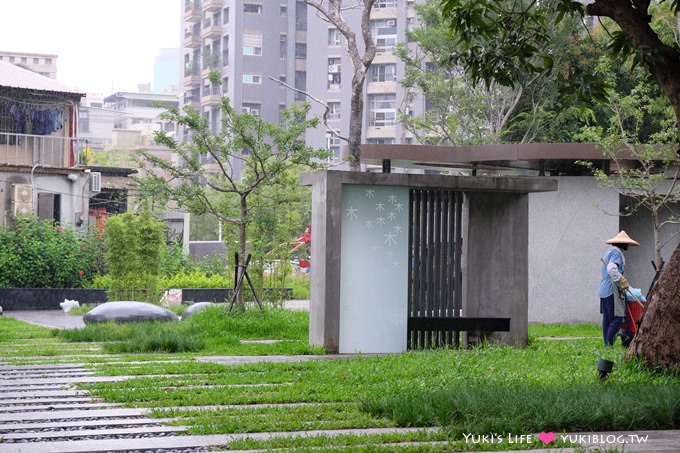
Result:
{"points": [[12, 299]]}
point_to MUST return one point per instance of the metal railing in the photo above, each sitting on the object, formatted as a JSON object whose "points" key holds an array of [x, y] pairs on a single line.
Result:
{"points": [[47, 150]]}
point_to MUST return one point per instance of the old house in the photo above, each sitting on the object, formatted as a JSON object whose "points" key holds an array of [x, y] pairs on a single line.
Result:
{"points": [[40, 154]]}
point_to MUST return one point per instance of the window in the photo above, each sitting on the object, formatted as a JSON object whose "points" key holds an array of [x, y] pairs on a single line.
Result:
{"points": [[333, 144], [334, 71], [225, 16], [83, 120], [252, 108], [252, 43], [283, 11], [385, 4], [300, 50], [334, 37], [252, 79], [333, 110], [380, 141], [301, 85], [384, 33], [225, 50], [300, 16], [382, 110], [283, 46], [383, 73], [252, 8]]}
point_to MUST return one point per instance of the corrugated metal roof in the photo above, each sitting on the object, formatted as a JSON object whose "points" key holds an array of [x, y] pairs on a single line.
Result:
{"points": [[16, 77]]}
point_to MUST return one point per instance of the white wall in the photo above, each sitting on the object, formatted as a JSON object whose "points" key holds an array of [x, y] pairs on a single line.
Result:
{"points": [[567, 230]]}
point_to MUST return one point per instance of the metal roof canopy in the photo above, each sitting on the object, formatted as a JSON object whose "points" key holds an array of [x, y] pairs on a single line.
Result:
{"points": [[14, 76], [541, 157]]}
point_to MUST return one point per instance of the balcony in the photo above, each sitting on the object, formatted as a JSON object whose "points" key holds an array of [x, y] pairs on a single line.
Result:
{"points": [[211, 31], [192, 40], [211, 62], [211, 95], [44, 150], [192, 11], [192, 75], [212, 5]]}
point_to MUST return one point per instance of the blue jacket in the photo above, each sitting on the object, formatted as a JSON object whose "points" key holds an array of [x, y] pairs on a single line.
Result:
{"points": [[613, 255]]}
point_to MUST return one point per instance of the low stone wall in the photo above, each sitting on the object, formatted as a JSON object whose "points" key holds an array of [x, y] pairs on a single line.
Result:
{"points": [[13, 299], [47, 298]]}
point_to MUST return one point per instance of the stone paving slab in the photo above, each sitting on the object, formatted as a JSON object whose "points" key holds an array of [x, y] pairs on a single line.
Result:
{"points": [[56, 399], [84, 423], [67, 380], [181, 441], [55, 435], [55, 407], [41, 393], [74, 414], [48, 366]]}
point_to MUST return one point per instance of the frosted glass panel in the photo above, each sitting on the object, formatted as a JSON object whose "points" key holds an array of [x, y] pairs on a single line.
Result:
{"points": [[374, 269]]}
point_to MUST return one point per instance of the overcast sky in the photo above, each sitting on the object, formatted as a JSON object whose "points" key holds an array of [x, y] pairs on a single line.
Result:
{"points": [[102, 45]]}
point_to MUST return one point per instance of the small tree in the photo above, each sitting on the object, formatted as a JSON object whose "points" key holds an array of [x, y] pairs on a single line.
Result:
{"points": [[134, 251], [218, 173], [645, 173]]}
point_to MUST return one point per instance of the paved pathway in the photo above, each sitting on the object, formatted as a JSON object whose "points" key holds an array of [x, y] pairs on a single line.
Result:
{"points": [[42, 411]]}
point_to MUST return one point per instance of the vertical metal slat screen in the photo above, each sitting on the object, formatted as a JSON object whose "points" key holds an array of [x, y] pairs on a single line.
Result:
{"points": [[435, 241]]}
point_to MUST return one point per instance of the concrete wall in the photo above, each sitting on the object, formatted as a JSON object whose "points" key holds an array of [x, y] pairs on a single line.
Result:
{"points": [[567, 231], [496, 271], [496, 249]]}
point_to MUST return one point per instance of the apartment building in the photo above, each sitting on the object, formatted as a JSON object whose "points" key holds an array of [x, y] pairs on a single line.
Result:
{"points": [[249, 44], [265, 49], [43, 64]]}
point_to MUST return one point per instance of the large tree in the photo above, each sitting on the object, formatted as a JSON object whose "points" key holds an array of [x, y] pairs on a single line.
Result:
{"points": [[220, 172], [501, 41], [361, 53], [463, 111]]}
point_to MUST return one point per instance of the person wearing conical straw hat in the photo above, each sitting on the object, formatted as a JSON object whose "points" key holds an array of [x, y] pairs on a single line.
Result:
{"points": [[613, 286]]}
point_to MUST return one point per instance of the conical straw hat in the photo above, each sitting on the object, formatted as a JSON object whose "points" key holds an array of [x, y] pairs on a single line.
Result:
{"points": [[621, 238]]}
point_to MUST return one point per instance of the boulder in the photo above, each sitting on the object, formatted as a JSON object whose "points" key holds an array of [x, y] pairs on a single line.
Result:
{"points": [[194, 308], [128, 311]]}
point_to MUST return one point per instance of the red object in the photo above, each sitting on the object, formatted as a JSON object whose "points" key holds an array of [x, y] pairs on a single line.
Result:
{"points": [[304, 264], [633, 315]]}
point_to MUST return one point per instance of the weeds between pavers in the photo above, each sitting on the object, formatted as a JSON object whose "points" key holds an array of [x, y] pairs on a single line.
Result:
{"points": [[548, 386]]}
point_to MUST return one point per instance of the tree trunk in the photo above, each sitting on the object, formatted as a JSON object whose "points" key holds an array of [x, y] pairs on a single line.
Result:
{"points": [[242, 248], [332, 11], [657, 342]]}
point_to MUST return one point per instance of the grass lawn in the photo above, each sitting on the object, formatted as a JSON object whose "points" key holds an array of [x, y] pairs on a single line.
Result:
{"points": [[549, 386]]}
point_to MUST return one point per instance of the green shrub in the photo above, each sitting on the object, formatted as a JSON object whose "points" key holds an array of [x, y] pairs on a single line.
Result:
{"points": [[196, 279], [39, 254], [135, 250]]}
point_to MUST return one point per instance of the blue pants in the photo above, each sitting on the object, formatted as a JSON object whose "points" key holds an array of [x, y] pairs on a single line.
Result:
{"points": [[610, 323]]}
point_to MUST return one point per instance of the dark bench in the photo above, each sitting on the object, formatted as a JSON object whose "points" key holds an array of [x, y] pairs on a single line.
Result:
{"points": [[436, 332]]}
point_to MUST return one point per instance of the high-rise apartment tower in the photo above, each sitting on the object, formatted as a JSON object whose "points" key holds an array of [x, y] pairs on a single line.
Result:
{"points": [[263, 49]]}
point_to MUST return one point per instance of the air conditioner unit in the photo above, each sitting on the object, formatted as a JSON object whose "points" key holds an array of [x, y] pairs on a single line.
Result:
{"points": [[283, 38], [95, 181], [23, 199], [392, 22], [245, 109], [333, 69], [255, 112]]}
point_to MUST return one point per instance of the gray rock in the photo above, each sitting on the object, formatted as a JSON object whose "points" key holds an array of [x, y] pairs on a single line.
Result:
{"points": [[194, 308], [128, 311]]}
